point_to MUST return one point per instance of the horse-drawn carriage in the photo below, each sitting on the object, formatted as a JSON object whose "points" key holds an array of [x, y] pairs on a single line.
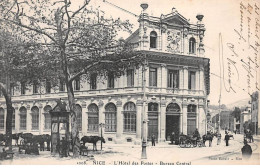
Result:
{"points": [[188, 141]]}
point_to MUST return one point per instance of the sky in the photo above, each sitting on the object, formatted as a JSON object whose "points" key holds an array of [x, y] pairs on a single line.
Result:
{"points": [[225, 21]]}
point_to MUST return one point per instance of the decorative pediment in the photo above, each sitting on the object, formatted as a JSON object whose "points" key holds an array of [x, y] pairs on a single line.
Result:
{"points": [[176, 19]]}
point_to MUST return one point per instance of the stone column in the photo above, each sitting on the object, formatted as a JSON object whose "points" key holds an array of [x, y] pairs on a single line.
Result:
{"points": [[201, 77], [198, 117], [84, 117], [163, 119], [28, 119], [163, 76], [41, 119], [181, 80], [202, 120], [181, 123], [17, 119], [139, 121], [119, 120], [101, 116], [185, 77], [184, 117]]}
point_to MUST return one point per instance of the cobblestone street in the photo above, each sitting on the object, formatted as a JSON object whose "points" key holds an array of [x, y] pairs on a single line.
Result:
{"points": [[161, 154]]}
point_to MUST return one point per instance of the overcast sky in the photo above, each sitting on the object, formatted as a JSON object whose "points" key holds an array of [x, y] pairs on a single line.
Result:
{"points": [[220, 16]]}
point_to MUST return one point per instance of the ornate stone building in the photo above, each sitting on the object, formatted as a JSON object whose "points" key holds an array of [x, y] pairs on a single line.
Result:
{"points": [[171, 90]]}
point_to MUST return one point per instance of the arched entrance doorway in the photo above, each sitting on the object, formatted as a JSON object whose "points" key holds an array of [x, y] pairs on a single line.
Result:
{"points": [[172, 120], [153, 120]]}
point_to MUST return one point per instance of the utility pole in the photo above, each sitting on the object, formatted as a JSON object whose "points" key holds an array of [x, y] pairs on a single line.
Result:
{"points": [[144, 137], [144, 6]]}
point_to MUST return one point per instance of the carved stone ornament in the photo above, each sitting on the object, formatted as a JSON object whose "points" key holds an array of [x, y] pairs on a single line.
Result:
{"points": [[100, 103], [119, 103], [173, 41]]}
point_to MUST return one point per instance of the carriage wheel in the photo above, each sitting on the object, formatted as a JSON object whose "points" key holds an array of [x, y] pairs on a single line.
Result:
{"points": [[194, 145]]}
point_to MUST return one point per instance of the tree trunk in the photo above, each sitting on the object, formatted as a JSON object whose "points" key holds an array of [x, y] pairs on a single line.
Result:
{"points": [[9, 115], [74, 125]]}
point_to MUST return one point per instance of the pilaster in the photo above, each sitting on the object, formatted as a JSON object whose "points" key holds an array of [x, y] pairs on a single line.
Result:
{"points": [[184, 117], [119, 119], [139, 105], [163, 119]]}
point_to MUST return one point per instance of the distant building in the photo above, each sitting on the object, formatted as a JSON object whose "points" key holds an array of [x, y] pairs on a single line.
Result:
{"points": [[226, 120], [245, 119], [255, 109]]}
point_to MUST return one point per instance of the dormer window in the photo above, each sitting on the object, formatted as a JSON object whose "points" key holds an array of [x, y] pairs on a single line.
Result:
{"points": [[153, 39], [192, 45]]}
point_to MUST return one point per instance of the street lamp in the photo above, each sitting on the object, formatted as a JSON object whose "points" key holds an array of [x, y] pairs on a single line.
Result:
{"points": [[208, 119], [101, 125]]}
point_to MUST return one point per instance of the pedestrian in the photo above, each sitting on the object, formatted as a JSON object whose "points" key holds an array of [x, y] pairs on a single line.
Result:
{"points": [[153, 140], [219, 138], [246, 150], [172, 137], [226, 139], [251, 136]]}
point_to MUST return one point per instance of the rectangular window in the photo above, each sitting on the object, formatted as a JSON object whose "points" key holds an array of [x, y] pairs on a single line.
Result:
{"points": [[153, 77], [93, 81], [62, 86], [23, 121], [47, 121], [12, 88], [173, 79], [77, 84], [192, 80], [2, 120], [129, 122], [23, 88], [93, 122], [35, 87], [110, 81], [130, 77], [35, 121], [13, 120], [48, 86], [110, 122]]}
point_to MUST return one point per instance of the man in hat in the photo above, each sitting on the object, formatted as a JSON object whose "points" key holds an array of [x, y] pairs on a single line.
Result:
{"points": [[246, 150]]}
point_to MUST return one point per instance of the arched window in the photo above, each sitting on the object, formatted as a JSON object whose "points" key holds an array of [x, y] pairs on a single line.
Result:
{"points": [[110, 117], [129, 117], [191, 118], [78, 111], [2, 118], [153, 39], [23, 118], [192, 45], [13, 119], [35, 118], [173, 108], [93, 117], [47, 116]]}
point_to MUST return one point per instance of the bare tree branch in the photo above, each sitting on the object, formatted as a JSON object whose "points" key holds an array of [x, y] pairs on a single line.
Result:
{"points": [[30, 28]]}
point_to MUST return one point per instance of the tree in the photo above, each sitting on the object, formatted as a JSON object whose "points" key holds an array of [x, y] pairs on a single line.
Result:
{"points": [[77, 42], [13, 70]]}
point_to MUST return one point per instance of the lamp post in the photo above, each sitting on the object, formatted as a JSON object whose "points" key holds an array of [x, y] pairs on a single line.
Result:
{"points": [[101, 125], [144, 6]]}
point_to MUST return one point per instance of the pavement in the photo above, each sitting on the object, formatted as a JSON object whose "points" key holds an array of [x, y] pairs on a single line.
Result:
{"points": [[161, 154]]}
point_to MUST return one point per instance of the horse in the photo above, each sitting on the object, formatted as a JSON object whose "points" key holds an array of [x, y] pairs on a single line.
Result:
{"points": [[209, 136], [16, 138], [92, 139], [2, 139]]}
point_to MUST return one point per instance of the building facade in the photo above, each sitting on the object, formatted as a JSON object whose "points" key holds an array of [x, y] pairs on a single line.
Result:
{"points": [[170, 91], [245, 119], [255, 109]]}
